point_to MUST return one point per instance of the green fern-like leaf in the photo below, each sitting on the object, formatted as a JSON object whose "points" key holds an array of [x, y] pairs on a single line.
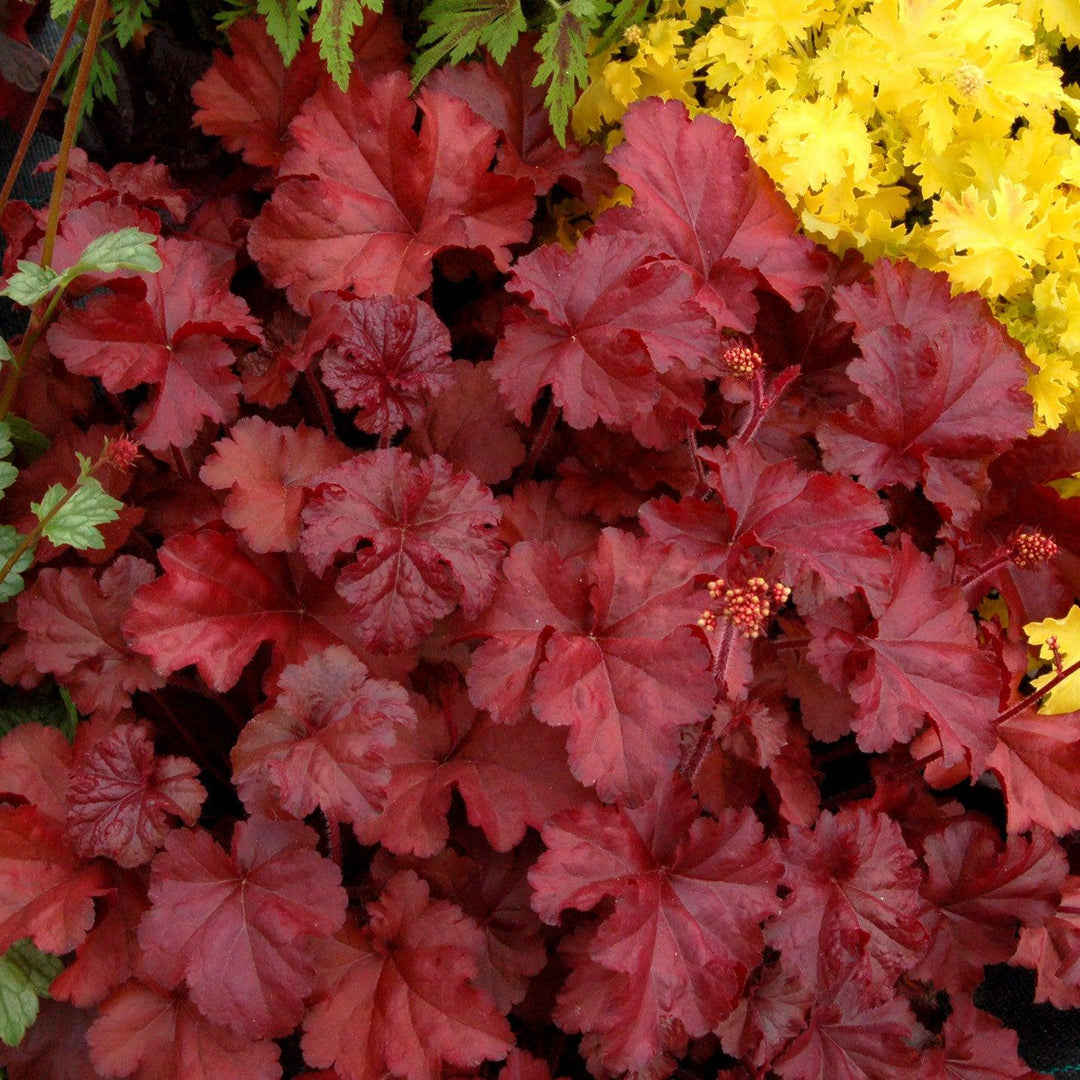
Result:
{"points": [[129, 17], [564, 57], [285, 25], [333, 30], [457, 28]]}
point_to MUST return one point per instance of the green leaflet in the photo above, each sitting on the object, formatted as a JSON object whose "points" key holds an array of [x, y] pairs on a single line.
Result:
{"points": [[13, 584], [457, 28], [285, 25], [26, 973], [77, 520], [333, 31]]}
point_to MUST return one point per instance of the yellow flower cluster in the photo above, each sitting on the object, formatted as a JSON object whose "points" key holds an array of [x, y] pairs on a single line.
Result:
{"points": [[933, 130]]}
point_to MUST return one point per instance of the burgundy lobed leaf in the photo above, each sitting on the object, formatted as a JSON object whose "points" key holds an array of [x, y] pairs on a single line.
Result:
{"points": [[603, 322], [398, 996], [72, 624], [238, 927], [324, 741], [355, 221], [601, 646], [381, 355], [1052, 951], [422, 537], [268, 472], [690, 896], [122, 797]]}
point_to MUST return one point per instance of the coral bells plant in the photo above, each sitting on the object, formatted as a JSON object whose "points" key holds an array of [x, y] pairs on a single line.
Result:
{"points": [[436, 651]]}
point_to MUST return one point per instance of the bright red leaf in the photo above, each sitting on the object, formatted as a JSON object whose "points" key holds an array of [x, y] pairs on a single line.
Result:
{"points": [[46, 891], [423, 540], [267, 471], [846, 1040], [72, 624], [690, 896], [238, 926], [980, 889], [379, 201], [1037, 760], [381, 355], [398, 997], [942, 384], [509, 98], [123, 799], [977, 1047], [600, 646], [153, 1034], [917, 658], [469, 426], [508, 778], [854, 901], [700, 200], [325, 739], [175, 339], [603, 322], [214, 605]]}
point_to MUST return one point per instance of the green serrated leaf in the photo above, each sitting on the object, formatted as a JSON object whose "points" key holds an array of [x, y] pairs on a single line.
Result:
{"points": [[125, 249], [6, 354], [333, 30], [564, 53], [10, 540], [26, 973], [8, 472], [129, 17], [457, 28], [284, 24], [51, 707], [27, 439], [102, 79], [30, 283], [59, 8], [624, 15], [76, 522]]}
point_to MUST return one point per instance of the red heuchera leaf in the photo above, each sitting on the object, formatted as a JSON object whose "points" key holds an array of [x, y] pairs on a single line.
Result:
{"points": [[700, 200], [1052, 951], [46, 891], [690, 896], [917, 658], [980, 889], [249, 98], [359, 222], [398, 997], [267, 471], [1037, 760], [508, 778], [469, 426], [492, 889], [121, 797], [34, 763], [977, 1047], [508, 97], [854, 901], [72, 625], [54, 1048], [603, 321], [942, 384], [381, 355], [426, 540], [599, 646], [820, 525], [324, 741], [239, 926], [172, 339], [532, 512], [846, 1040], [108, 955], [215, 605], [153, 1034]]}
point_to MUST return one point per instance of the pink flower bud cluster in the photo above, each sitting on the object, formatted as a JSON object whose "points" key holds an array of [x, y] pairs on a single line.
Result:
{"points": [[747, 607]]}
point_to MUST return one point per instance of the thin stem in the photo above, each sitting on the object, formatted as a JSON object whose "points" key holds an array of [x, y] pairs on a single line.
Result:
{"points": [[699, 470], [719, 670], [181, 463], [1031, 699], [323, 407], [39, 323], [333, 836], [71, 125], [540, 441], [39, 106], [985, 571]]}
